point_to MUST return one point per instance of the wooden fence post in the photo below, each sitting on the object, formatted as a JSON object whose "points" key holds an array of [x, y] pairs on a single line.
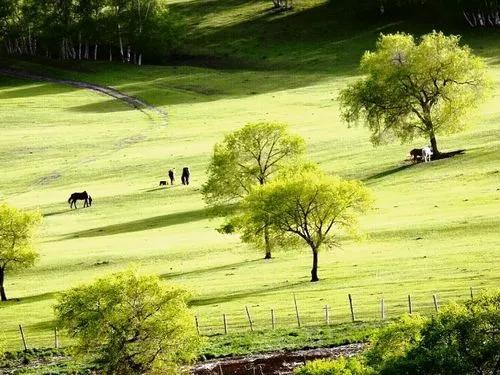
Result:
{"points": [[410, 306], [296, 310], [249, 318], [225, 323], [352, 308], [327, 315], [56, 338], [435, 302], [23, 337], [382, 309], [273, 320], [197, 324]]}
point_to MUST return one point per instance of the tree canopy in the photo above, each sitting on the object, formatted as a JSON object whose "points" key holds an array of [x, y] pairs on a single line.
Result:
{"points": [[130, 324], [309, 206], [410, 88], [249, 157], [17, 229]]}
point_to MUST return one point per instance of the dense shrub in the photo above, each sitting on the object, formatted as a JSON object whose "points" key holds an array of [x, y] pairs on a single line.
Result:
{"points": [[341, 366], [130, 324], [461, 339]]}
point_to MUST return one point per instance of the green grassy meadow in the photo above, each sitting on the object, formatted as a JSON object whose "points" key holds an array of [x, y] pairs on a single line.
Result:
{"points": [[434, 228]]}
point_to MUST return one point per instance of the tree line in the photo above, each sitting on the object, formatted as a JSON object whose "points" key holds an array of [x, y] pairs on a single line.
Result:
{"points": [[475, 13], [124, 30]]}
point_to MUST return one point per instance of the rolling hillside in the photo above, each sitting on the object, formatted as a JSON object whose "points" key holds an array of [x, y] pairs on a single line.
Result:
{"points": [[434, 228]]}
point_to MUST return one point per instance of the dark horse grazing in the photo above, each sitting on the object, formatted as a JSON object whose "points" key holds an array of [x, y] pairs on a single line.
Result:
{"points": [[416, 153], [83, 196]]}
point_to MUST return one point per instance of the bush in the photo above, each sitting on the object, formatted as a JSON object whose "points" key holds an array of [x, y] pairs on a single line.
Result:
{"points": [[461, 339], [341, 366], [393, 342], [130, 324]]}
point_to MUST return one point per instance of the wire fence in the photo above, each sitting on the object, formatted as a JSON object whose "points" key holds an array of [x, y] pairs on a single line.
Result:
{"points": [[298, 313]]}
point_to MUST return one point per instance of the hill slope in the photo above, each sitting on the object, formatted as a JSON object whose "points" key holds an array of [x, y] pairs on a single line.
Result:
{"points": [[434, 228]]}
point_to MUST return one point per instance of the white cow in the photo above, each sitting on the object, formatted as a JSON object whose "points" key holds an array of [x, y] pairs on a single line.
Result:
{"points": [[427, 153]]}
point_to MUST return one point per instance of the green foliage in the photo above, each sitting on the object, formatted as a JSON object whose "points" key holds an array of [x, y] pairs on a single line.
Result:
{"points": [[340, 366], [415, 89], [461, 339], [17, 229], [248, 157], [308, 206], [394, 341], [73, 29], [130, 324]]}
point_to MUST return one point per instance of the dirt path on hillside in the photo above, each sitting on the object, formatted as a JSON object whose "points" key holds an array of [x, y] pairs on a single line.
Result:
{"points": [[275, 363], [130, 100]]}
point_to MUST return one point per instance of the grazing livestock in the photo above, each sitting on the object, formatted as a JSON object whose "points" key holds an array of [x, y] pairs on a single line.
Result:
{"points": [[427, 153], [83, 196], [171, 176], [416, 154], [163, 183], [185, 176]]}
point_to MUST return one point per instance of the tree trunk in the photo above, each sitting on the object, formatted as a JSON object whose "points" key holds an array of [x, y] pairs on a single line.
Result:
{"points": [[120, 42], [434, 146], [267, 243], [314, 271], [3, 296]]}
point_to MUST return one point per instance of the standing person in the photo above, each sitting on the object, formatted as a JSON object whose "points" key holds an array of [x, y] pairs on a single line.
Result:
{"points": [[185, 176], [171, 176]]}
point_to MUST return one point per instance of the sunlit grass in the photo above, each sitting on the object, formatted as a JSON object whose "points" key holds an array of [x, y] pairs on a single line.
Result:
{"points": [[434, 228]]}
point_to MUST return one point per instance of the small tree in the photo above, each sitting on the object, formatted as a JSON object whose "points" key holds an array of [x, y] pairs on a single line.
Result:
{"points": [[16, 241], [415, 89], [130, 324], [309, 206], [249, 157]]}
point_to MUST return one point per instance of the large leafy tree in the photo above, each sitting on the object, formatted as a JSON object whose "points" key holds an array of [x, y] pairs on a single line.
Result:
{"points": [[130, 324], [410, 88], [17, 230], [249, 157], [308, 206]]}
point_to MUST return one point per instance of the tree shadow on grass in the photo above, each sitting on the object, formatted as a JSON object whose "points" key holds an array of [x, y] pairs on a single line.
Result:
{"points": [[27, 88], [388, 172], [141, 225], [253, 292], [54, 213], [103, 106], [209, 270], [30, 299]]}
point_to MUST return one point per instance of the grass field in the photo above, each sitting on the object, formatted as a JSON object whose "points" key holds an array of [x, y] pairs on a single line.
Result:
{"points": [[434, 228]]}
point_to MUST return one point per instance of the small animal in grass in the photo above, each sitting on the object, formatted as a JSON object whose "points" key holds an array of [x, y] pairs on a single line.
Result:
{"points": [[163, 183], [83, 196]]}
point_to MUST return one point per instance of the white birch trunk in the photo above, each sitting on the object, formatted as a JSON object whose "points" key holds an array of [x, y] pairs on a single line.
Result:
{"points": [[95, 52], [139, 60], [120, 43], [79, 45]]}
